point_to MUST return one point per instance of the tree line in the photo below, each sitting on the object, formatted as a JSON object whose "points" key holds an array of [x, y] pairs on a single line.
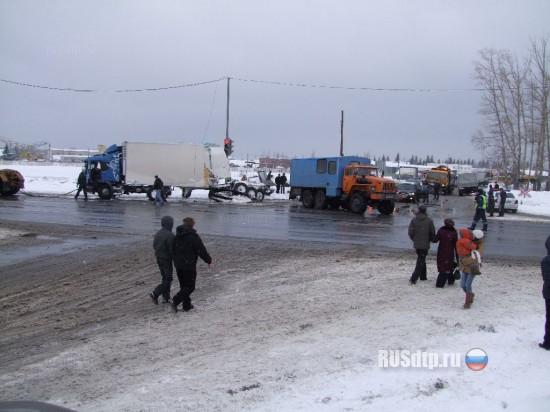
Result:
{"points": [[514, 136], [430, 159]]}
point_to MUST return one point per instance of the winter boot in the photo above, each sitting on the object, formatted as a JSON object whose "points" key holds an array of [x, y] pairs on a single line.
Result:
{"points": [[467, 301], [154, 298], [472, 295]]}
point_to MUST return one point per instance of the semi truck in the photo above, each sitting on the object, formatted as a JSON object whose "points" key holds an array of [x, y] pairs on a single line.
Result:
{"points": [[349, 182], [132, 167]]}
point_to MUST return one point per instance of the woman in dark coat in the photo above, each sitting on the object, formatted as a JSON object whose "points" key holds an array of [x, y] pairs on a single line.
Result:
{"points": [[446, 253]]}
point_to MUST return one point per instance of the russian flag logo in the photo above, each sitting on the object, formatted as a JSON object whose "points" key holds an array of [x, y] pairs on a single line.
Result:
{"points": [[476, 359]]}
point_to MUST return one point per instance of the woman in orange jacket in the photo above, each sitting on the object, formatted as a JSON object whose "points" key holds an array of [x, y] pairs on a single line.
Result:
{"points": [[468, 266]]}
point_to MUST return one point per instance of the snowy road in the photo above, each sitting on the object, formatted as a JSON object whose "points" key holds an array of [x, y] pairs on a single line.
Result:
{"points": [[278, 220]]}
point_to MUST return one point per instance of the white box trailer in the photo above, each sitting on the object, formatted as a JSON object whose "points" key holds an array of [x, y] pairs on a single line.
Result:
{"points": [[184, 165]]}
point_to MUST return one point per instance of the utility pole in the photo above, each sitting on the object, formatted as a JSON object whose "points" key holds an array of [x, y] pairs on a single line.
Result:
{"points": [[227, 110], [342, 134]]}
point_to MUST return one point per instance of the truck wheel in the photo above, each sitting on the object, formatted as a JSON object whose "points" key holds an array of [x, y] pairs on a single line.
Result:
{"points": [[357, 203], [386, 207], [186, 192], [320, 201], [166, 191], [105, 191], [307, 198], [260, 196], [460, 193], [150, 194], [240, 189], [251, 193]]}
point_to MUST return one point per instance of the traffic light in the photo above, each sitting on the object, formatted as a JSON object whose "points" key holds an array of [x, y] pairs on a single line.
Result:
{"points": [[228, 146]]}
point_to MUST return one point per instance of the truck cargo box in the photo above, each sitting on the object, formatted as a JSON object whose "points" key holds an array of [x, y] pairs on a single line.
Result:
{"points": [[178, 164]]}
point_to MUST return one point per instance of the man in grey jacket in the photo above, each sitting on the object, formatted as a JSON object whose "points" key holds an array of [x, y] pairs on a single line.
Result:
{"points": [[422, 233], [162, 243]]}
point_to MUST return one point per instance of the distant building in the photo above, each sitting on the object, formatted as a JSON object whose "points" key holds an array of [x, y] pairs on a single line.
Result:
{"points": [[270, 163], [73, 155]]}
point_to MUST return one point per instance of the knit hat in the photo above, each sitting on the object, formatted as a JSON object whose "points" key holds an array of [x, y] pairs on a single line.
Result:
{"points": [[478, 234]]}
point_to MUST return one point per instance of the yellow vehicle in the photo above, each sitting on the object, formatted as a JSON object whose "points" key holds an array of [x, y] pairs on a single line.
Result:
{"points": [[11, 181], [443, 176]]}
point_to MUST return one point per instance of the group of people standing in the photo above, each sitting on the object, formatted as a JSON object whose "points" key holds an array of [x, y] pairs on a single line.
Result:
{"points": [[487, 203], [453, 253], [181, 251], [280, 183]]}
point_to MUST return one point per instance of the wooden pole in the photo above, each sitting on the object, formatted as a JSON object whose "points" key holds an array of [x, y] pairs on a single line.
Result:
{"points": [[227, 110], [342, 134]]}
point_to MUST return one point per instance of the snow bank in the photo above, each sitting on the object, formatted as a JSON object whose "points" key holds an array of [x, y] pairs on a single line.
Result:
{"points": [[535, 203]]}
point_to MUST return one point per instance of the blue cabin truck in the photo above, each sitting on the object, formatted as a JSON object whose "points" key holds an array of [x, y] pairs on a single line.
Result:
{"points": [[349, 182]]}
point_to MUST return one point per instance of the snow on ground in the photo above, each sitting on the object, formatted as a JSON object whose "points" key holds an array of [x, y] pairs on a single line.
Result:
{"points": [[304, 335], [534, 203]]}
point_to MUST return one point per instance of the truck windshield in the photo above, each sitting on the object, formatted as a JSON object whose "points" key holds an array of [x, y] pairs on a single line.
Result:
{"points": [[365, 171]]}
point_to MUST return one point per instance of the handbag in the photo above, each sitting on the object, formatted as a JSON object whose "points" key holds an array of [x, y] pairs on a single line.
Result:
{"points": [[475, 268], [456, 274]]}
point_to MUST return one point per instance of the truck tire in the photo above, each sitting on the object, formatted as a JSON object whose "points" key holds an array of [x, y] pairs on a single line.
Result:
{"points": [[260, 196], [150, 194], [386, 207], [460, 192], [357, 203], [105, 191], [251, 193], [320, 200], [307, 198], [240, 189], [166, 192]]}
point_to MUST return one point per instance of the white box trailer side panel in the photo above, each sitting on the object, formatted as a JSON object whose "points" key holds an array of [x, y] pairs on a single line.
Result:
{"points": [[219, 163], [181, 164]]}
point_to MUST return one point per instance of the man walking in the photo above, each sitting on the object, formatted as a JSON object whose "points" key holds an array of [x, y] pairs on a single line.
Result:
{"points": [[421, 232], [162, 243], [187, 247], [158, 185], [481, 206], [502, 201], [545, 268], [437, 188], [81, 185]]}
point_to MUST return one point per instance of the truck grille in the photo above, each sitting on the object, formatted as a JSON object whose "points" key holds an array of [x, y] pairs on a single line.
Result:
{"points": [[389, 187]]}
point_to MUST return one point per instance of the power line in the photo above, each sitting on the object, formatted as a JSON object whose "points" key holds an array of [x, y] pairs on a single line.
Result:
{"points": [[375, 89], [255, 81]]}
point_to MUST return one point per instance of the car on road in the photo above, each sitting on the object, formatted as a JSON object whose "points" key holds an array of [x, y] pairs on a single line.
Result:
{"points": [[511, 204], [406, 192]]}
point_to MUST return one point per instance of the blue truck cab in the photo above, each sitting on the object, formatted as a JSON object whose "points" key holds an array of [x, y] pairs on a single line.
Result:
{"points": [[104, 172], [350, 182]]}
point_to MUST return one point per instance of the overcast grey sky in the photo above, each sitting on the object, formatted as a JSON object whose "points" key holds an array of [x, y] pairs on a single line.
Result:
{"points": [[109, 45]]}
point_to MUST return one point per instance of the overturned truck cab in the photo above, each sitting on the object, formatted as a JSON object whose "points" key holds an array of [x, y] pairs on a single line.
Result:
{"points": [[349, 182]]}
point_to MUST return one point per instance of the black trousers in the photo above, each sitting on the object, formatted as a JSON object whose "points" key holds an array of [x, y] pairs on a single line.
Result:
{"points": [[501, 209], [166, 270], [480, 215], [546, 341], [187, 279], [283, 189], [436, 195], [278, 188], [81, 189], [491, 207], [420, 268]]}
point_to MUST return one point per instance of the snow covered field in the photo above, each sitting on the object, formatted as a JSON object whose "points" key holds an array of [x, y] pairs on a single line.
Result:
{"points": [[535, 203], [304, 335]]}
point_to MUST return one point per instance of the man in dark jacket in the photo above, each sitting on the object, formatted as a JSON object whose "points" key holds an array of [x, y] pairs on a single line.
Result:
{"points": [[491, 201], [158, 186], [187, 247], [162, 243], [278, 182], [437, 188], [421, 232], [81, 185], [502, 201], [545, 268], [283, 183], [481, 206]]}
